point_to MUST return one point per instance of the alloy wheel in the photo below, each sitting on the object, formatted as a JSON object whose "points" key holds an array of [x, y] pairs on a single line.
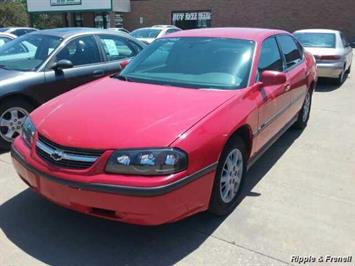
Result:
{"points": [[11, 122], [231, 175]]}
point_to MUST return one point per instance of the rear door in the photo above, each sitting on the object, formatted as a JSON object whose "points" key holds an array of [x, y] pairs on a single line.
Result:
{"points": [[275, 99], [84, 53], [296, 69], [117, 49]]}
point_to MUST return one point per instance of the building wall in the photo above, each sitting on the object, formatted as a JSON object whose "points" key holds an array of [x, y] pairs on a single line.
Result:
{"points": [[284, 14]]}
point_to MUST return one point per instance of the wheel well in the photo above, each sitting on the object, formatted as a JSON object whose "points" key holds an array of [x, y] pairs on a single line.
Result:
{"points": [[28, 99], [246, 134]]}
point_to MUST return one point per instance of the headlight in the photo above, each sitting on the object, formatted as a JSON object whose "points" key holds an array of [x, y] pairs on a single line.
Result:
{"points": [[28, 131], [147, 162]]}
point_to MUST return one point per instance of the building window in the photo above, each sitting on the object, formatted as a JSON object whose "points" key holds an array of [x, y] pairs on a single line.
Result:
{"points": [[78, 20], [102, 21], [118, 20], [191, 19]]}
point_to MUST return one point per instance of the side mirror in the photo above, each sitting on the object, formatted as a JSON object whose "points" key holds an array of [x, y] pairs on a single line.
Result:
{"points": [[62, 64], [272, 78], [123, 64]]}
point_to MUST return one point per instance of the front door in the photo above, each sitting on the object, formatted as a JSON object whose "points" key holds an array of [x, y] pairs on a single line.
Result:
{"points": [[87, 61], [275, 99]]}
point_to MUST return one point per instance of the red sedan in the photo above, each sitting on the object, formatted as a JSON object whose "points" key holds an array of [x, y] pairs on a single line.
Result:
{"points": [[175, 132]]}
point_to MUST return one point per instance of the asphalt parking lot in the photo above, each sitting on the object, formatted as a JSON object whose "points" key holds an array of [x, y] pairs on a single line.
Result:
{"points": [[298, 200]]}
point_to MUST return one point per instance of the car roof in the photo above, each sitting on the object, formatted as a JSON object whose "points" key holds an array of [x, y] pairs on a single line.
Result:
{"points": [[317, 31], [255, 34], [6, 34], [164, 26], [69, 32], [21, 28]]}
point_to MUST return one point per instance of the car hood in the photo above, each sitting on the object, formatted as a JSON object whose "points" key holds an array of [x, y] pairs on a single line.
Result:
{"points": [[8, 75], [110, 114]]}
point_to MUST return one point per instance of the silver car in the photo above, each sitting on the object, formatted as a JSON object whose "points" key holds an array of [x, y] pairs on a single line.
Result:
{"points": [[148, 35], [6, 37], [331, 49]]}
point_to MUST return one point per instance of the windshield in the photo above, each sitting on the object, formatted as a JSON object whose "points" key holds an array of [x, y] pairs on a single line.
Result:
{"points": [[27, 53], [3, 29], [193, 62], [146, 33], [321, 40]]}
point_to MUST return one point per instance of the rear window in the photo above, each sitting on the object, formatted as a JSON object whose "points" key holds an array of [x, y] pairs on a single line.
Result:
{"points": [[146, 33], [321, 40]]}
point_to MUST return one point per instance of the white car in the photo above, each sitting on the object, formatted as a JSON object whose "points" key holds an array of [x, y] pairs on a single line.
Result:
{"points": [[18, 31], [6, 37], [331, 49], [148, 35], [119, 29]]}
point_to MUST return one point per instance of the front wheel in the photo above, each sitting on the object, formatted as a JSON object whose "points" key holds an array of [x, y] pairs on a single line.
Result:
{"points": [[303, 115], [13, 114], [229, 176]]}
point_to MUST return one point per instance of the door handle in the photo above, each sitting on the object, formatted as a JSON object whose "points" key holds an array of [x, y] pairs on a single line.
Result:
{"points": [[98, 73], [287, 86]]}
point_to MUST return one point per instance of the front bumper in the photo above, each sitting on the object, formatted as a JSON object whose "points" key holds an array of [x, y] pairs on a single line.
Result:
{"points": [[329, 70], [136, 205]]}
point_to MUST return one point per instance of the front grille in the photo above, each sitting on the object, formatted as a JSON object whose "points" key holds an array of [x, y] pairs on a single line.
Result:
{"points": [[65, 157]]}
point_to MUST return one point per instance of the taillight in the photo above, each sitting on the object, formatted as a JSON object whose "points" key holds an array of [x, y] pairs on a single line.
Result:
{"points": [[327, 57]]}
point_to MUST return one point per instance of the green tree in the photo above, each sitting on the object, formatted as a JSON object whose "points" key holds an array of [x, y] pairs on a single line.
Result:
{"points": [[13, 13], [47, 21]]}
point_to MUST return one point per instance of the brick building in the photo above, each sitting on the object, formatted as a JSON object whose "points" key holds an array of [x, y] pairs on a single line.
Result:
{"points": [[131, 14], [284, 14]]}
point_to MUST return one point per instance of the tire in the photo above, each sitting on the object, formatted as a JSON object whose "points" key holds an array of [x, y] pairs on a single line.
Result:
{"points": [[349, 70], [304, 113], [13, 113], [222, 203], [340, 80]]}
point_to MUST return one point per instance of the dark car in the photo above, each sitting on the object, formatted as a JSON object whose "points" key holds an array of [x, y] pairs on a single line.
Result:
{"points": [[44, 64]]}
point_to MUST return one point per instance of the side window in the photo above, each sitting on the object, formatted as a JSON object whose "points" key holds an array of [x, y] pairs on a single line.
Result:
{"points": [[116, 48], [19, 32], [290, 50], [270, 58], [81, 51], [171, 31], [136, 47]]}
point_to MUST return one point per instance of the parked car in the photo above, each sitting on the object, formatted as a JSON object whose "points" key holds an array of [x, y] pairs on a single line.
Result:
{"points": [[331, 49], [175, 132], [148, 35], [41, 65], [6, 37], [119, 29], [18, 31]]}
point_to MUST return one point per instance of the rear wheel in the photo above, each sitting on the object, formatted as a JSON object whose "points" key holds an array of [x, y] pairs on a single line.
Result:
{"points": [[303, 115], [349, 70], [229, 176], [340, 80], [13, 114]]}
